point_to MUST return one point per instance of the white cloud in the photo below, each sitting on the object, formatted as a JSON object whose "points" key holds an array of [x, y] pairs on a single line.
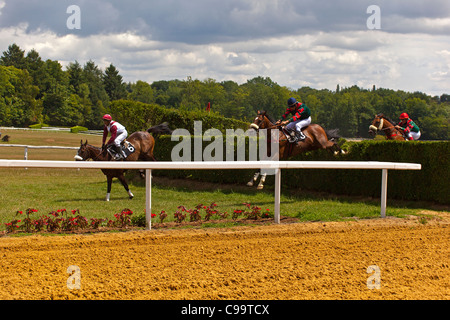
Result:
{"points": [[295, 43]]}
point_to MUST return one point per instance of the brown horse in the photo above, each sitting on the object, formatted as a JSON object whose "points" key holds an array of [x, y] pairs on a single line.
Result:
{"points": [[316, 138], [384, 124], [143, 144]]}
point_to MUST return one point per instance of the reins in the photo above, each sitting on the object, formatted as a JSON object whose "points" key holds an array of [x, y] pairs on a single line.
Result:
{"points": [[392, 128], [91, 147]]}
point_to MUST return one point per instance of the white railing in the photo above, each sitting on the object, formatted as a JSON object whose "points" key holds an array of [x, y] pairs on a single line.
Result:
{"points": [[211, 165], [26, 147]]}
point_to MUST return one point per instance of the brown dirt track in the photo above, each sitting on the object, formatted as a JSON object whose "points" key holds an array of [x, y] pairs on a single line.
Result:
{"points": [[287, 261]]}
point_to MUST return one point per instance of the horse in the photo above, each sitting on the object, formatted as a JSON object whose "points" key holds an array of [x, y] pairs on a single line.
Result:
{"points": [[316, 138], [384, 124], [143, 143]]}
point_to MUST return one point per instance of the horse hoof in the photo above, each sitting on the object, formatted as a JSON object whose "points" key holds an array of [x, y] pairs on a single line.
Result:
{"points": [[250, 184], [260, 187]]}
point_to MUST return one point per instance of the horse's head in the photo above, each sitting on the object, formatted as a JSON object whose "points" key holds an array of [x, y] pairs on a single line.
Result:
{"points": [[377, 124], [261, 121], [83, 153]]}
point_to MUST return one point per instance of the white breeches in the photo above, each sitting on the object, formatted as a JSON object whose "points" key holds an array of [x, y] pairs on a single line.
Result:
{"points": [[414, 135], [120, 138], [299, 124]]}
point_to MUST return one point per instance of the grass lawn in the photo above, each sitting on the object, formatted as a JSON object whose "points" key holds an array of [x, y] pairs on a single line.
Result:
{"points": [[51, 189]]}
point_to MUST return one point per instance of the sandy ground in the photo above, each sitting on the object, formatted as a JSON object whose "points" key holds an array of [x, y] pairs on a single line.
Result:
{"points": [[287, 261]]}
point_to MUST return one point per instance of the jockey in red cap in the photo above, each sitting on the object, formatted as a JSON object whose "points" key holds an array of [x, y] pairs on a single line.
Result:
{"points": [[118, 134], [408, 127]]}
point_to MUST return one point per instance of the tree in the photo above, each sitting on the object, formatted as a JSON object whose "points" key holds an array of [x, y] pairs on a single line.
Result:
{"points": [[35, 67], [18, 104], [141, 91], [75, 74], [93, 77], [14, 56], [114, 86]]}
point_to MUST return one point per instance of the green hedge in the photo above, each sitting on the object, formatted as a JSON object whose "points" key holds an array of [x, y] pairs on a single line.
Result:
{"points": [[77, 129], [137, 116], [429, 184]]}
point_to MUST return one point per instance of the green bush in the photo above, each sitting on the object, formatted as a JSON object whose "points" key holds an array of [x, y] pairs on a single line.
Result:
{"points": [[138, 116], [428, 184], [77, 129], [38, 126]]}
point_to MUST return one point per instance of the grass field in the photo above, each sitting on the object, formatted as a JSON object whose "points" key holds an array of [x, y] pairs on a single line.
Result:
{"points": [[51, 189]]}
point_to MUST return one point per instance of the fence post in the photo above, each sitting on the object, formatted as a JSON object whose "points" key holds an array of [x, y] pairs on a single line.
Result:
{"points": [[277, 195], [384, 175], [148, 199]]}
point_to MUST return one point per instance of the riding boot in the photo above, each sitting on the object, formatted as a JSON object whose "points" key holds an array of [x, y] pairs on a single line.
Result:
{"points": [[301, 136], [292, 136], [118, 156]]}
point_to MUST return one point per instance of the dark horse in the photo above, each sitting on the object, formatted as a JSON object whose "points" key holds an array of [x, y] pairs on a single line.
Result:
{"points": [[384, 124], [143, 143], [316, 138]]}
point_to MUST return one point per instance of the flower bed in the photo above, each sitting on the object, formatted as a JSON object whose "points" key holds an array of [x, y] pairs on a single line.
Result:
{"points": [[64, 221]]}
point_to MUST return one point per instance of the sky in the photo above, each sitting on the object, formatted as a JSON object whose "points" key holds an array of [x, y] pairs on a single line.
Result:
{"points": [[395, 44]]}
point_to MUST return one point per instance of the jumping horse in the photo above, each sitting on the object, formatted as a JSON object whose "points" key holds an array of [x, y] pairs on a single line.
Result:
{"points": [[143, 143], [316, 138], [384, 124]]}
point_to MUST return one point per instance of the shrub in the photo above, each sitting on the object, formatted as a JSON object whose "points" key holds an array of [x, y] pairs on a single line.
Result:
{"points": [[77, 129]]}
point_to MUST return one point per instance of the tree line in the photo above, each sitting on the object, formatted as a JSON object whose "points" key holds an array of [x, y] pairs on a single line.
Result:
{"points": [[34, 90]]}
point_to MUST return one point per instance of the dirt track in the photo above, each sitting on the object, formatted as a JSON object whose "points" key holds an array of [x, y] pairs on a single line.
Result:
{"points": [[287, 261]]}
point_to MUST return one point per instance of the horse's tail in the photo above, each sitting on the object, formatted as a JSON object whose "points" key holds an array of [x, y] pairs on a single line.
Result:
{"points": [[333, 134], [162, 128]]}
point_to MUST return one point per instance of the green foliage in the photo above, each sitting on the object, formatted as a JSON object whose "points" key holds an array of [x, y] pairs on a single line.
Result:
{"points": [[37, 126], [77, 129], [33, 90], [428, 184], [137, 116]]}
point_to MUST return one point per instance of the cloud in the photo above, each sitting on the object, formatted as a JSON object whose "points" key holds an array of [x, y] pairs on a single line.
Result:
{"points": [[295, 43]]}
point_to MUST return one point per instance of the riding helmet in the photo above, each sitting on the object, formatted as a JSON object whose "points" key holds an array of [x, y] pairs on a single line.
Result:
{"points": [[404, 115], [107, 117], [291, 102]]}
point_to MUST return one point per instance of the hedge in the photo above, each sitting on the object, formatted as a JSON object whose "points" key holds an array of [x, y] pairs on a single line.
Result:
{"points": [[77, 129], [428, 184], [137, 116]]}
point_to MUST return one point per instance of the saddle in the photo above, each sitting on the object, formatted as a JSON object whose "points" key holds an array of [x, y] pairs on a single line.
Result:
{"points": [[297, 137], [126, 148]]}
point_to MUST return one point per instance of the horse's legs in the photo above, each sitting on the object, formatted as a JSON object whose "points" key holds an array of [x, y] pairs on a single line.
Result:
{"points": [[146, 157], [261, 182], [125, 185], [336, 149], [252, 182]]}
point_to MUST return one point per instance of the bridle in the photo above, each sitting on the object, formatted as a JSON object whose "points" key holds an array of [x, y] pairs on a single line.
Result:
{"points": [[380, 128], [260, 119], [80, 158]]}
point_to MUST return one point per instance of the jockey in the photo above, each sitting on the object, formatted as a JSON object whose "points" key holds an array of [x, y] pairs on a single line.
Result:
{"points": [[300, 119], [408, 127], [118, 134]]}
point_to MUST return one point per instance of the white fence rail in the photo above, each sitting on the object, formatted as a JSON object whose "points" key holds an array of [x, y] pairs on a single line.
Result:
{"points": [[211, 165], [26, 147]]}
